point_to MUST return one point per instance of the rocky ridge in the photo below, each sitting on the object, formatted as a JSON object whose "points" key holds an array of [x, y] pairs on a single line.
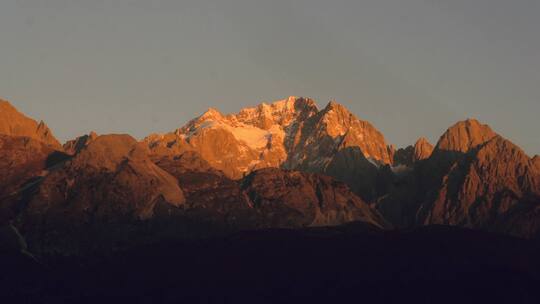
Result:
{"points": [[408, 156], [291, 134], [74, 146], [14, 123]]}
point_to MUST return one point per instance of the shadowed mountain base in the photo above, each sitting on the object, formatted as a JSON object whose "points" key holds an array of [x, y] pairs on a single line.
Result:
{"points": [[429, 265]]}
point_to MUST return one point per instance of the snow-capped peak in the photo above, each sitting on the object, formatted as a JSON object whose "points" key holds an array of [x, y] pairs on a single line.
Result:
{"points": [[291, 132]]}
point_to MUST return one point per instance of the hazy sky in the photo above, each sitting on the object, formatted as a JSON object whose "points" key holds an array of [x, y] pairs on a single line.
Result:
{"points": [[411, 67]]}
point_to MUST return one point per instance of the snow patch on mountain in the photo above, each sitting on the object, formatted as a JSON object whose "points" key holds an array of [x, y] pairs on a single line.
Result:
{"points": [[254, 137]]}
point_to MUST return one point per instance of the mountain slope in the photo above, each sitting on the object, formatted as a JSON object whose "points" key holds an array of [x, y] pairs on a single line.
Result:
{"points": [[473, 178], [111, 174], [267, 198], [476, 178], [13, 123], [536, 161], [98, 195], [24, 162], [295, 199], [487, 185], [464, 136]]}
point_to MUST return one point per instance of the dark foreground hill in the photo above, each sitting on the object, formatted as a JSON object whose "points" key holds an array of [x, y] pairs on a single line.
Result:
{"points": [[356, 263]]}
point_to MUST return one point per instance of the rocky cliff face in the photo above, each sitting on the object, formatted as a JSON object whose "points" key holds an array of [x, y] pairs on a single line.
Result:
{"points": [[496, 175], [210, 195], [74, 146], [487, 180], [290, 199], [473, 178], [464, 136], [111, 176], [332, 130], [291, 133], [421, 150], [98, 195], [28, 151], [267, 198], [24, 162], [13, 123], [536, 161]]}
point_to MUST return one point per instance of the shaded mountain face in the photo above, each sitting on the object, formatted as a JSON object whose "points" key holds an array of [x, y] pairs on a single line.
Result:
{"points": [[112, 176], [486, 187], [291, 134], [97, 198], [23, 163], [474, 178], [332, 130], [110, 181], [13, 123], [74, 146], [210, 195], [288, 198], [408, 156], [267, 198], [331, 264], [28, 151]]}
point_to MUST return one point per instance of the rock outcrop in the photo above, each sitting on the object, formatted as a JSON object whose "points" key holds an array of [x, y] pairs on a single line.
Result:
{"points": [[478, 179], [422, 149], [332, 130], [488, 186], [13, 123], [74, 146], [408, 156], [28, 151], [267, 198], [464, 136], [210, 194], [292, 199], [24, 162], [111, 177], [536, 161]]}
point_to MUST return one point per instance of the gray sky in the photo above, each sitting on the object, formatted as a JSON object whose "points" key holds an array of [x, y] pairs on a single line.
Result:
{"points": [[411, 67]]}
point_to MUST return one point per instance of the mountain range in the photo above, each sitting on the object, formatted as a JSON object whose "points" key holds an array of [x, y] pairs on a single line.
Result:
{"points": [[287, 164]]}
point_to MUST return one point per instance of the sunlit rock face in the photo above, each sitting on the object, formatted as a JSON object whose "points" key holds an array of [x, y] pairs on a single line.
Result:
{"points": [[13, 123], [478, 179], [422, 149], [536, 161], [464, 136], [292, 134]]}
